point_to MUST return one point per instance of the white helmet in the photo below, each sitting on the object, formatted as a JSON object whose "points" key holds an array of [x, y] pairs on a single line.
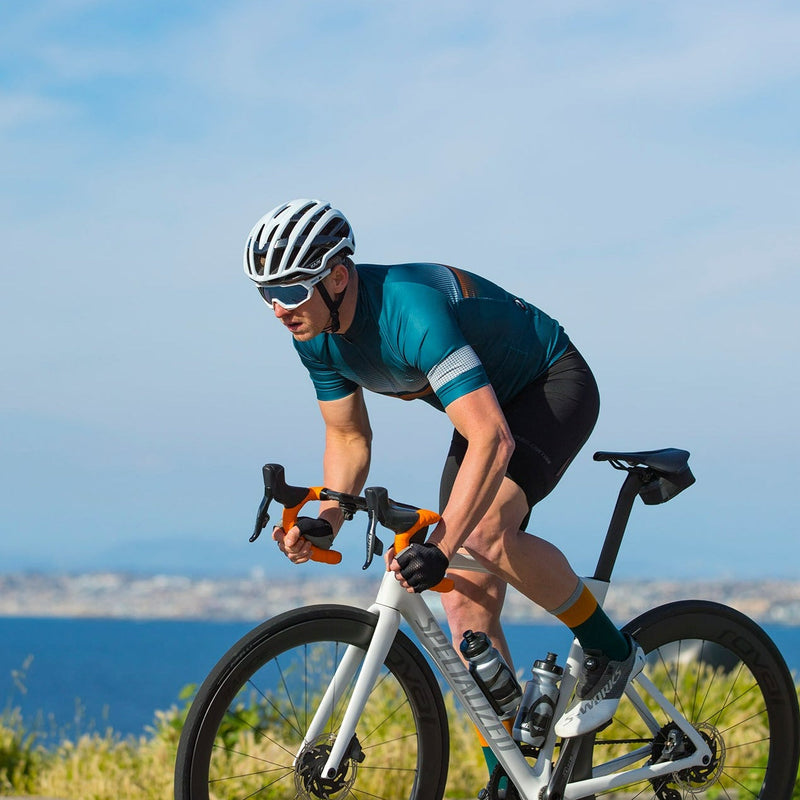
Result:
{"points": [[296, 240]]}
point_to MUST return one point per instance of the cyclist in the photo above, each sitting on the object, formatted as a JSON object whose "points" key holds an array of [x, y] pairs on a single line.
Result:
{"points": [[520, 397]]}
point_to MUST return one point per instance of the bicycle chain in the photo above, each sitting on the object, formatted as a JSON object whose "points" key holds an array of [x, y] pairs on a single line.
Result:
{"points": [[493, 789]]}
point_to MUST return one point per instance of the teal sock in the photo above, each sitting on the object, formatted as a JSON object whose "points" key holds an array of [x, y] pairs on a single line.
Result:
{"points": [[491, 759], [488, 755], [491, 763], [592, 627]]}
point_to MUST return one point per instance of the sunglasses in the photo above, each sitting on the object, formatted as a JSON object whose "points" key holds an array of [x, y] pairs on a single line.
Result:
{"points": [[291, 295]]}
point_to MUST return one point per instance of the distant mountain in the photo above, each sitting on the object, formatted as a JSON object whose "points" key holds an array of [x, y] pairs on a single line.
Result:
{"points": [[193, 556]]}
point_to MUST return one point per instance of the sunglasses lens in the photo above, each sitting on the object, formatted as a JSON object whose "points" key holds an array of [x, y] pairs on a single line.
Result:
{"points": [[287, 296]]}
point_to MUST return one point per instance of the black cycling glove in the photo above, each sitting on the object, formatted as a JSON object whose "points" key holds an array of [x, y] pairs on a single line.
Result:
{"points": [[317, 531], [422, 565]]}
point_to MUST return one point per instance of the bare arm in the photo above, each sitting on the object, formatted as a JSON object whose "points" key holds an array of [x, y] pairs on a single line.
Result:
{"points": [[478, 417], [348, 443], [348, 446]]}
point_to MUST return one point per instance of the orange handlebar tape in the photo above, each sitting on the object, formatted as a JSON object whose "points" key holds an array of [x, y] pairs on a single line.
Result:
{"points": [[289, 517], [325, 556], [445, 585], [424, 518]]}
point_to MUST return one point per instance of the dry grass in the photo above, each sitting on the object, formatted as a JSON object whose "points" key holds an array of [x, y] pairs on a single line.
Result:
{"points": [[107, 767]]}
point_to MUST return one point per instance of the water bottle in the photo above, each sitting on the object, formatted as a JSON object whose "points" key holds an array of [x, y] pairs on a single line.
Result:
{"points": [[491, 673], [538, 702]]}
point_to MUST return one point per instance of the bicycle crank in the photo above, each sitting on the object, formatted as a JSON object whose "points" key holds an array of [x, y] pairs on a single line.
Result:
{"points": [[499, 786], [309, 782]]}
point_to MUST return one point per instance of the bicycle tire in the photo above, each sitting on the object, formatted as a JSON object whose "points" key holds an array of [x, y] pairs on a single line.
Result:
{"points": [[725, 675], [246, 723]]}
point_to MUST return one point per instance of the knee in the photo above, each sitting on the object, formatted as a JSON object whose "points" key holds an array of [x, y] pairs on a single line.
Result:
{"points": [[489, 540], [458, 604], [475, 602]]}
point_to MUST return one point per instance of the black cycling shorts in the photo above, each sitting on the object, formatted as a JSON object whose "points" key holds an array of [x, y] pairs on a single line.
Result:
{"points": [[550, 419]]}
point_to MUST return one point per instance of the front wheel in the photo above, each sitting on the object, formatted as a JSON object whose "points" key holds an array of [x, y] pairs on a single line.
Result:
{"points": [[725, 675], [244, 732]]}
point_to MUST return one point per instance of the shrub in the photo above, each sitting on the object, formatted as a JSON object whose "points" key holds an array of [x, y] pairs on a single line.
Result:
{"points": [[20, 757], [106, 767]]}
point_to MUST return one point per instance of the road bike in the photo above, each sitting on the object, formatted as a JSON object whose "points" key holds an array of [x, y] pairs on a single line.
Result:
{"points": [[332, 701]]}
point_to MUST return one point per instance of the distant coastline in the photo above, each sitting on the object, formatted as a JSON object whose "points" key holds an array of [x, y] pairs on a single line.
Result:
{"points": [[118, 595]]}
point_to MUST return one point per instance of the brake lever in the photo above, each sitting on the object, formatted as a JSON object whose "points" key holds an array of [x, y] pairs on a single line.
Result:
{"points": [[374, 544], [262, 517]]}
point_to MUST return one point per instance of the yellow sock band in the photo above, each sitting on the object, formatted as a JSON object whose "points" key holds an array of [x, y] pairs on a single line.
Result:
{"points": [[578, 611], [508, 724]]}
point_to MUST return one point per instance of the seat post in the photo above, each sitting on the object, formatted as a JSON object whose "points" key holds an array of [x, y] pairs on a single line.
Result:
{"points": [[616, 528]]}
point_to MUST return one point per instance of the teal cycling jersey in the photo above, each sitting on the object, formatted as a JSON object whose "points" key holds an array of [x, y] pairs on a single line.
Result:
{"points": [[433, 332]]}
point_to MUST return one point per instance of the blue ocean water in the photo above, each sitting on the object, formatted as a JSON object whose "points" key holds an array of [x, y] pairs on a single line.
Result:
{"points": [[91, 675]]}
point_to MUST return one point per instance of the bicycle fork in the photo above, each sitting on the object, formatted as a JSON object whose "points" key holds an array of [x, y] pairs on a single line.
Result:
{"points": [[385, 631]]}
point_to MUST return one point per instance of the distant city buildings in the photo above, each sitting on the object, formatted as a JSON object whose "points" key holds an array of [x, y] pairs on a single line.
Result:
{"points": [[257, 596]]}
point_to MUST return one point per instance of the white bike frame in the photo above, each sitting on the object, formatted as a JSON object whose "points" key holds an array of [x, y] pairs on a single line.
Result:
{"points": [[394, 604]]}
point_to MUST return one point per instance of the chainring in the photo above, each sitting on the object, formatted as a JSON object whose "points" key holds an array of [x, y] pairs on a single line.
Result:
{"points": [[499, 786]]}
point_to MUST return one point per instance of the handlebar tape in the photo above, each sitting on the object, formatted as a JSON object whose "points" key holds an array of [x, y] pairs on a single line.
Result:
{"points": [[395, 516], [289, 519], [325, 556], [424, 518], [402, 540]]}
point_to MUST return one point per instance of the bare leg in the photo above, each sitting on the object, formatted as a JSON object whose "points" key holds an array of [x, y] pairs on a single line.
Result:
{"points": [[534, 567], [475, 604]]}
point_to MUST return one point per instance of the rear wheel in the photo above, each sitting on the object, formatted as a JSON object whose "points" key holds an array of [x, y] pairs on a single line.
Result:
{"points": [[244, 732], [725, 675]]}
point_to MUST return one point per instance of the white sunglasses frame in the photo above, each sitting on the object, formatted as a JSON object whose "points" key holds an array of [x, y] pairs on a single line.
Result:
{"points": [[307, 284]]}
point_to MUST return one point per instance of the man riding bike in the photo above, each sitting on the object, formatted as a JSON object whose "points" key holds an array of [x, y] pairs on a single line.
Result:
{"points": [[520, 397]]}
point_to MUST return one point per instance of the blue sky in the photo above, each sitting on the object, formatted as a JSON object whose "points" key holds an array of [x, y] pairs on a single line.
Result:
{"points": [[632, 168]]}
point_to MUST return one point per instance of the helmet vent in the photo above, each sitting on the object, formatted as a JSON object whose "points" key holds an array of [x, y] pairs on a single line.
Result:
{"points": [[296, 240]]}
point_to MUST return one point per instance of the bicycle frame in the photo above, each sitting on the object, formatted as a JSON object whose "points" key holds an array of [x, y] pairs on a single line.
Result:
{"points": [[750, 738], [393, 604]]}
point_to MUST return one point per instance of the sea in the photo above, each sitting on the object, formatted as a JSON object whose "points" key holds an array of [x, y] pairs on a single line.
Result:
{"points": [[69, 677]]}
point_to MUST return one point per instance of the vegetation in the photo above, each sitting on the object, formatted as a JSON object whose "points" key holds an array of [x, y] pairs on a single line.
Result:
{"points": [[105, 766]]}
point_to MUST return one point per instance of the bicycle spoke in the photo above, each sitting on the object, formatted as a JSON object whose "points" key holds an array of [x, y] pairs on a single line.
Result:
{"points": [[751, 727], [383, 722], [730, 704], [749, 791], [393, 740], [305, 683], [252, 757], [726, 702], [751, 743], [259, 732], [288, 695], [709, 685], [285, 770], [272, 705]]}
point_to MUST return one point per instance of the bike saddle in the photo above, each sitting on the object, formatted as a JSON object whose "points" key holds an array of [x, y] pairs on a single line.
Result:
{"points": [[668, 461], [670, 465]]}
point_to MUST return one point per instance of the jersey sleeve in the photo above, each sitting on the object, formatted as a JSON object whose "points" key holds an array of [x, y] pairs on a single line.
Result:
{"points": [[328, 383], [433, 342]]}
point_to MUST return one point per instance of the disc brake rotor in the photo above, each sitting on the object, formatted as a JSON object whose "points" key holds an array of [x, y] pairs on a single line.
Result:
{"points": [[308, 780]]}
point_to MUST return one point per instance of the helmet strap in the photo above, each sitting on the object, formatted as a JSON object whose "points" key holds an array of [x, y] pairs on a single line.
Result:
{"points": [[333, 306]]}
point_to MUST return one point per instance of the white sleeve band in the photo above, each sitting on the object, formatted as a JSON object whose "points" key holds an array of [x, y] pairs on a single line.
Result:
{"points": [[462, 360]]}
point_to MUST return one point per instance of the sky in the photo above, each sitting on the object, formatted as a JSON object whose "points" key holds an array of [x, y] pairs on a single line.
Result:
{"points": [[631, 168]]}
